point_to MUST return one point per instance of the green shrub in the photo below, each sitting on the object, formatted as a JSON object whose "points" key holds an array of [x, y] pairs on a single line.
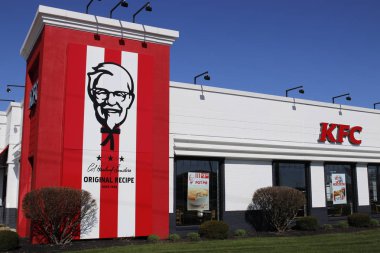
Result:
{"points": [[240, 233], [327, 226], [59, 214], [214, 229], [307, 223], [193, 236], [279, 205], [153, 238], [174, 237], [374, 223], [8, 240], [359, 220], [342, 224]]}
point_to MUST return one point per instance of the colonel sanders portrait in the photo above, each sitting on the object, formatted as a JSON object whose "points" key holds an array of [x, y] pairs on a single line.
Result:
{"points": [[111, 89]]}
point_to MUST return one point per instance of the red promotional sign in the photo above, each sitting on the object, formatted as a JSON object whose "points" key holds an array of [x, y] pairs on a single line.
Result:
{"points": [[341, 131]]}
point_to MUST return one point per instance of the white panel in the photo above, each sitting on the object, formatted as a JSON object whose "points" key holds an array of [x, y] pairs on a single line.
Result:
{"points": [[362, 184], [251, 117], [171, 184], [317, 175], [242, 179], [91, 137], [12, 185], [2, 182], [127, 191]]}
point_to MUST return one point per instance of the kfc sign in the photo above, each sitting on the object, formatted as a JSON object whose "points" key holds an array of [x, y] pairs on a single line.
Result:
{"points": [[33, 95], [335, 133]]}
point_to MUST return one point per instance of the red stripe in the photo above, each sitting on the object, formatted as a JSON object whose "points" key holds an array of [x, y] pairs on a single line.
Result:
{"points": [[73, 118], [144, 146], [74, 115], [110, 159], [160, 183]]}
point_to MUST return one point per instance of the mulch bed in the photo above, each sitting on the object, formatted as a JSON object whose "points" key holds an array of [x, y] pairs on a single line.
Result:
{"points": [[27, 247]]}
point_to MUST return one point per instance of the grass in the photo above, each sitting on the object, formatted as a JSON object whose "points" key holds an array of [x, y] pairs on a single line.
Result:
{"points": [[364, 241]]}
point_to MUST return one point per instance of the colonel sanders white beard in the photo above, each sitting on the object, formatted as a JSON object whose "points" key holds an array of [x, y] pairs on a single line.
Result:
{"points": [[110, 117]]}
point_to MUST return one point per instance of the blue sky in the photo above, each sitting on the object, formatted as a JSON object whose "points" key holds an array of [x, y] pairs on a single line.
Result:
{"points": [[329, 46]]}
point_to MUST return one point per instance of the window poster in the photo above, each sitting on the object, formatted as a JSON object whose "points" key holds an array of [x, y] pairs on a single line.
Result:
{"points": [[198, 191], [339, 193]]}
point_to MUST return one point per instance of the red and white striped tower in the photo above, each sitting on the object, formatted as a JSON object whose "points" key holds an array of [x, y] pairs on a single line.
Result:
{"points": [[98, 119]]}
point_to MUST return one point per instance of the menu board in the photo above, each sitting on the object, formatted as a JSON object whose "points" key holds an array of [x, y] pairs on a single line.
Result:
{"points": [[339, 193], [198, 191]]}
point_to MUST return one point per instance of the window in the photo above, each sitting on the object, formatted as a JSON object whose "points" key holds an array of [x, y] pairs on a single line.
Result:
{"points": [[373, 184], [293, 174], [197, 190], [339, 182]]}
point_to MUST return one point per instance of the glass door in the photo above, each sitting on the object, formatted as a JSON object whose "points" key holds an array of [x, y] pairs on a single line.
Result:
{"points": [[340, 197], [197, 190]]}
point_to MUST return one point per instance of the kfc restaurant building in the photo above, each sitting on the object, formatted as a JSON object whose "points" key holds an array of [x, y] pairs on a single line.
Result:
{"points": [[162, 157]]}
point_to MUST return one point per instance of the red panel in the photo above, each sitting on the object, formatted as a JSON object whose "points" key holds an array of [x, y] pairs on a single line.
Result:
{"points": [[144, 147], [57, 148], [160, 183], [74, 114], [25, 181], [110, 159]]}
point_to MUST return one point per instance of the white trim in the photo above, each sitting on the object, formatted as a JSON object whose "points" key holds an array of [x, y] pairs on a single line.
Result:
{"points": [[93, 24], [264, 149]]}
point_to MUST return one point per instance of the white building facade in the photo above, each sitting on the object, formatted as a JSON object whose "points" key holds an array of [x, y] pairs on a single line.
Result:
{"points": [[10, 139], [248, 141]]}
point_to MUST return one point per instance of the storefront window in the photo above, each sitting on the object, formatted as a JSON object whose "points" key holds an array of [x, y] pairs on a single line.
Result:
{"points": [[293, 174], [197, 190], [374, 183], [340, 198]]}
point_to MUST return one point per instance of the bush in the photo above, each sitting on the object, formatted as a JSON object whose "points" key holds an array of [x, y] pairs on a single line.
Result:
{"points": [[240, 233], [307, 223], [153, 238], [193, 236], [59, 214], [374, 223], [359, 220], [279, 205], [327, 226], [174, 237], [214, 229], [342, 224], [8, 240]]}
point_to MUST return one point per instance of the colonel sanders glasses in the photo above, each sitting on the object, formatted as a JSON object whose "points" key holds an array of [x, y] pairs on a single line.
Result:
{"points": [[104, 94]]}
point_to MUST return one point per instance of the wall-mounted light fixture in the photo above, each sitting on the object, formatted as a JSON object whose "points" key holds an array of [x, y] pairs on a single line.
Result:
{"points": [[374, 105], [121, 3], [347, 95], [299, 88], [88, 5], [7, 100], [146, 6], [205, 74], [17, 86]]}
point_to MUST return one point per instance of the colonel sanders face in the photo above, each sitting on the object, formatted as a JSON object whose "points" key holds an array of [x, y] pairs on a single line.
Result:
{"points": [[110, 88]]}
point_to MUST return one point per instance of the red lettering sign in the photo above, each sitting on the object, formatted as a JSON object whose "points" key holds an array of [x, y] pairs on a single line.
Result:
{"points": [[343, 131]]}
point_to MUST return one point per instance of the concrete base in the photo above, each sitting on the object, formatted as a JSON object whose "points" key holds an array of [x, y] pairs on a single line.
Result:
{"points": [[321, 214], [364, 209], [10, 217]]}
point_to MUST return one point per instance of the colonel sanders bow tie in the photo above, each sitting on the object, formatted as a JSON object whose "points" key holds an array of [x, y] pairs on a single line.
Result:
{"points": [[110, 132]]}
